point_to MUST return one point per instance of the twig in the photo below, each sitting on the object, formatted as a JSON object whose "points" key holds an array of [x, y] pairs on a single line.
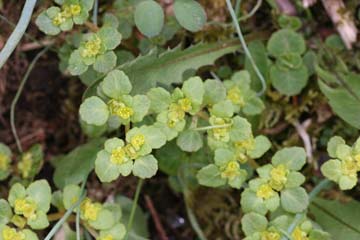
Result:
{"points": [[18, 32], [155, 216], [36, 45], [17, 96], [301, 130]]}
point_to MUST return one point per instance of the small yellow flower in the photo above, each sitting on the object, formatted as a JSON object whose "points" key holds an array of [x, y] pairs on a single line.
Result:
{"points": [[130, 151], [278, 177], [118, 156], [357, 159], [18, 221], [59, 19], [220, 134], [175, 114], [235, 96], [25, 165], [25, 207], [231, 170], [137, 141], [4, 162], [120, 109], [265, 191], [89, 210], [298, 234], [270, 235], [185, 104], [349, 168], [248, 144], [92, 48], [106, 237], [9, 233], [75, 9]]}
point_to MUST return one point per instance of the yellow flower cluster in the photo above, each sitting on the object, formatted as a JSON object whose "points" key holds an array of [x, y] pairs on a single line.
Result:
{"points": [[270, 235], [4, 162], [89, 210], [278, 179], [92, 48], [220, 134], [25, 165], [9, 233], [298, 234], [119, 109], [243, 147], [231, 170], [68, 11], [235, 96], [106, 237], [121, 155], [177, 111], [26, 207]]}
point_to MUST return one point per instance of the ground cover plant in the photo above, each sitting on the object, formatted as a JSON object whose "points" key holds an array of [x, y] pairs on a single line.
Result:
{"points": [[179, 119]]}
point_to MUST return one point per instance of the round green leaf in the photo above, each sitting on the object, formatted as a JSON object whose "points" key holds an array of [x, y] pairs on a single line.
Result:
{"points": [[110, 37], [5, 212], [190, 14], [210, 176], [193, 88], [116, 84], [30, 235], [332, 145], [94, 111], [149, 18], [153, 136], [286, 41], [141, 105], [294, 179], [105, 220], [76, 64], [190, 141], [251, 203], [215, 91], [45, 24], [223, 109], [40, 192], [17, 191], [145, 167], [262, 145], [223, 156], [71, 195], [160, 99], [105, 62], [253, 223], [294, 200], [40, 222], [113, 143], [292, 157], [289, 81], [104, 168]]}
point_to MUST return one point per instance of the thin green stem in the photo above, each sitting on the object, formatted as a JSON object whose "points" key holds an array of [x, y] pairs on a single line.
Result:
{"points": [[78, 237], [134, 206], [17, 96], [95, 12], [211, 127], [194, 223], [18, 32], [246, 50], [252, 12], [64, 218], [299, 216]]}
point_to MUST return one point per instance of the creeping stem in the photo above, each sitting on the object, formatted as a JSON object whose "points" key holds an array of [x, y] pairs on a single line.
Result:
{"points": [[18, 32]]}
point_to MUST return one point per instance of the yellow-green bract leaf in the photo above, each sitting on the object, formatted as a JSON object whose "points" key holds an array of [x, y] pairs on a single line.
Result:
{"points": [[153, 136], [17, 191], [105, 62], [40, 222], [141, 105], [110, 37], [289, 81], [294, 179], [253, 223], [113, 143], [223, 109], [332, 170], [117, 232], [94, 111], [160, 99], [71, 195], [262, 145], [333, 144], [105, 220], [223, 156], [104, 168], [57, 200], [215, 91], [251, 203], [45, 23], [241, 129], [76, 64], [5, 155], [294, 200], [149, 18], [116, 84], [210, 176], [286, 41], [40, 192], [190, 14], [145, 167], [5, 212], [292, 157], [193, 88], [30, 235], [190, 141]]}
